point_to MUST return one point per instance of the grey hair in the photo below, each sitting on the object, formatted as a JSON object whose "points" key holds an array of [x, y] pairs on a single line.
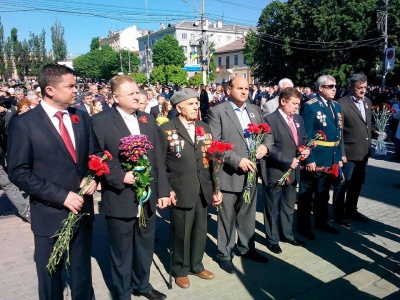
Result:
{"points": [[86, 94], [19, 90], [30, 94], [286, 81], [322, 80], [142, 92], [359, 77]]}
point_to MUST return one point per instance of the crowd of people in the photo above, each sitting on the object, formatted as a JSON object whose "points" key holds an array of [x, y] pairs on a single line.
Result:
{"points": [[55, 115]]}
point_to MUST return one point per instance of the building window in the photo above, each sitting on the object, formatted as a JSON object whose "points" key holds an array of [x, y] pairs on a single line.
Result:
{"points": [[235, 74], [228, 38], [235, 60], [245, 75], [244, 60], [219, 38], [227, 62], [192, 35], [219, 61], [184, 36], [184, 49]]}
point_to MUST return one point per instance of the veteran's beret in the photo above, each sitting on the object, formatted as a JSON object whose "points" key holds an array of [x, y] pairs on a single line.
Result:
{"points": [[183, 95]]}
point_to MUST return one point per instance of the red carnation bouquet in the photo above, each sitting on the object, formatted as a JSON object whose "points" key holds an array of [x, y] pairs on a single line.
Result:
{"points": [[217, 152], [98, 167], [320, 136], [134, 150], [255, 134], [334, 172]]}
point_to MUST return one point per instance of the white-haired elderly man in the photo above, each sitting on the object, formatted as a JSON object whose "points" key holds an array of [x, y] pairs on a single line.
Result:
{"points": [[270, 106]]}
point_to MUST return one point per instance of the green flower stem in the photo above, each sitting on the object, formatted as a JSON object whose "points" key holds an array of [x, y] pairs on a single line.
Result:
{"points": [[64, 236]]}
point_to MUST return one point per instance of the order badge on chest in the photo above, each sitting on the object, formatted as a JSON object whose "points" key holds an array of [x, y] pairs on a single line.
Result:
{"points": [[175, 143]]}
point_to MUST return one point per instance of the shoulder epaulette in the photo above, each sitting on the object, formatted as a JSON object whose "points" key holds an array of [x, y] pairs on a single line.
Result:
{"points": [[312, 101]]}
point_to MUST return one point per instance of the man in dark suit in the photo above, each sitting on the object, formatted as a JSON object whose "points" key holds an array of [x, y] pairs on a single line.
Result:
{"points": [[184, 142], [87, 99], [228, 122], [48, 153], [156, 110], [287, 130], [320, 113], [356, 112], [131, 245]]}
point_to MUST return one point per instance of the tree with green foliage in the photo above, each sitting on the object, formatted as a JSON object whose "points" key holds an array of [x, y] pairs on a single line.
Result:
{"points": [[95, 43], [168, 52], [139, 77], [2, 57], [58, 41], [105, 63], [303, 39], [167, 74], [197, 79]]}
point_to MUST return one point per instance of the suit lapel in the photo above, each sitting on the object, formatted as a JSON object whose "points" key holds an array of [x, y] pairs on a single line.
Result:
{"points": [[232, 115], [286, 126], [119, 122], [142, 121], [75, 127], [355, 108], [52, 131]]}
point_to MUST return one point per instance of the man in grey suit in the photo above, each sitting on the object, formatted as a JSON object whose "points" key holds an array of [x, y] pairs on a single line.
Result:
{"points": [[356, 113], [288, 133], [270, 106], [228, 122]]}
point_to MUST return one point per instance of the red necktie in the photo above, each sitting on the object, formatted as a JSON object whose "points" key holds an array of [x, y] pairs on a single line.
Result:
{"points": [[293, 129], [65, 135]]}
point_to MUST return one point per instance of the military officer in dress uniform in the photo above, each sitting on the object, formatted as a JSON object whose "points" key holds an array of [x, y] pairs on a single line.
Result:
{"points": [[185, 141], [319, 113]]}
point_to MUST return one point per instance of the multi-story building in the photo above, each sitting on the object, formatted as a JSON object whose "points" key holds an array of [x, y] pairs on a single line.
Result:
{"points": [[189, 36], [125, 39], [231, 62]]}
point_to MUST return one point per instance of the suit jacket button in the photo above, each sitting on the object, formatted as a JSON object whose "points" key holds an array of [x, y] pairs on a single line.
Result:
{"points": [[367, 139]]}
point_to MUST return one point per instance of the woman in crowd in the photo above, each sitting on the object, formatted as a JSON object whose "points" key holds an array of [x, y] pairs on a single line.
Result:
{"points": [[95, 107], [23, 106]]}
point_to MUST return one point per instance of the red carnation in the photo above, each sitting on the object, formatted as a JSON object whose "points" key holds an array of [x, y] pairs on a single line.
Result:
{"points": [[95, 163], [394, 110], [322, 135], [253, 128], [200, 131], [334, 171], [264, 128], [143, 119], [108, 154], [75, 119]]}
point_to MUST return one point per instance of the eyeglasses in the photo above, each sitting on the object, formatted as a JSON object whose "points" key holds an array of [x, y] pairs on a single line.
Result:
{"points": [[329, 86]]}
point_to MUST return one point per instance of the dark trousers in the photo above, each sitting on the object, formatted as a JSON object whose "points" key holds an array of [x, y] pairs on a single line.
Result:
{"points": [[80, 271], [313, 193], [189, 236], [278, 212], [236, 216], [131, 250], [346, 194]]}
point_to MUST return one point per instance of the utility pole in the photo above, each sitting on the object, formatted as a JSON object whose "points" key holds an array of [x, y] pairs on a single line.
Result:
{"points": [[203, 44], [385, 43]]}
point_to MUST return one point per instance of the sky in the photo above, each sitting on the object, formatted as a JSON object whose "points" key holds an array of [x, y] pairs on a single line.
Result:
{"points": [[84, 19]]}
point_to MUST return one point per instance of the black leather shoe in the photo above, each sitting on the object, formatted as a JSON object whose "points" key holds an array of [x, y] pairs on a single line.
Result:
{"points": [[294, 242], [154, 294], [274, 248], [227, 266], [254, 255], [343, 222], [307, 234], [327, 228], [358, 217]]}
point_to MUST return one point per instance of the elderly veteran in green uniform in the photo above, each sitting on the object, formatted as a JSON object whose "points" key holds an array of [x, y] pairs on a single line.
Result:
{"points": [[185, 141], [319, 113]]}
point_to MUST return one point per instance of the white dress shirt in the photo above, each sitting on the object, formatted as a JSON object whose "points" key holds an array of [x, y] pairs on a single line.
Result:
{"points": [[131, 121]]}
